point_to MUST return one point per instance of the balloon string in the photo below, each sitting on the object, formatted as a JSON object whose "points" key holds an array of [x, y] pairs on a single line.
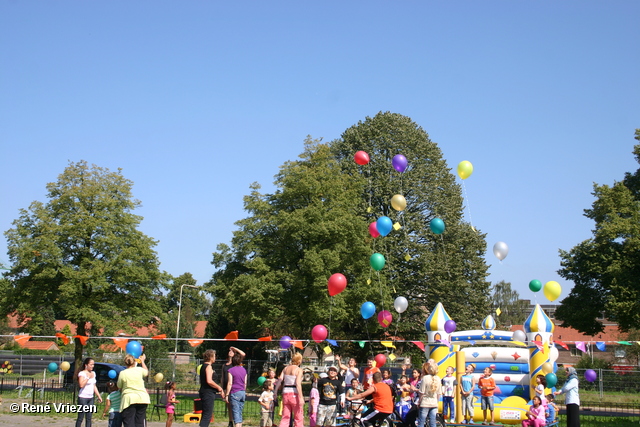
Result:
{"points": [[466, 197], [330, 312], [380, 286], [444, 253], [366, 325]]}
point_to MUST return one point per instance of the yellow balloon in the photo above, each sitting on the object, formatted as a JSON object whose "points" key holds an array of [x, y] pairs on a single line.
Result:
{"points": [[65, 366], [398, 202], [547, 368], [465, 169], [552, 290], [158, 377]]}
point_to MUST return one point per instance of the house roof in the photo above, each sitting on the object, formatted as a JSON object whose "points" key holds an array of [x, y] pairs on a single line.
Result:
{"points": [[40, 345]]}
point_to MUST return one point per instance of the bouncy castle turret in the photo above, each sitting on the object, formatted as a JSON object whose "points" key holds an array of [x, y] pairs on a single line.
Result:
{"points": [[539, 330], [438, 351]]}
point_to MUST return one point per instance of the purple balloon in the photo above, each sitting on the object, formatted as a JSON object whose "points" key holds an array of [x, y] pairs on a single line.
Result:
{"points": [[399, 163], [449, 326], [590, 375], [285, 342]]}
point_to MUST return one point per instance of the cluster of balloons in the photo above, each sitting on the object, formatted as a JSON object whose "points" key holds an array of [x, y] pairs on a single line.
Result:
{"points": [[551, 290], [368, 309]]}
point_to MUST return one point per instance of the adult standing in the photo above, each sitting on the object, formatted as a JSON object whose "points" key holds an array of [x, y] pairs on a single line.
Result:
{"points": [[225, 376], [331, 390], [236, 388], [430, 391], [292, 397], [134, 396], [348, 371], [87, 383], [208, 387], [572, 399]]}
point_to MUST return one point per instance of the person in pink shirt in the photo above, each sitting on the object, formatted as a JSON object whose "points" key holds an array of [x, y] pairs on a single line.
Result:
{"points": [[535, 414]]}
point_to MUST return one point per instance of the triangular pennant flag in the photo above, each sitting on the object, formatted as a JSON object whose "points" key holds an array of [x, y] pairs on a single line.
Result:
{"points": [[332, 342], [361, 344], [624, 342], [445, 342], [419, 344], [388, 344], [327, 350], [63, 337], [233, 335], [159, 337], [121, 343], [265, 338], [472, 342], [540, 345], [580, 346], [561, 344], [600, 345], [195, 343], [392, 357], [498, 311], [21, 339], [82, 338], [297, 344]]}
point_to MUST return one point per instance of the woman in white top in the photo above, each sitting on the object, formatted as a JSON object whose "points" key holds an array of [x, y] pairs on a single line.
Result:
{"points": [[349, 372], [430, 391], [292, 398], [572, 399], [87, 383]]}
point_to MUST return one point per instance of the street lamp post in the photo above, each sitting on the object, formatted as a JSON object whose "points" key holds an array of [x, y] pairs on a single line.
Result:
{"points": [[175, 351]]}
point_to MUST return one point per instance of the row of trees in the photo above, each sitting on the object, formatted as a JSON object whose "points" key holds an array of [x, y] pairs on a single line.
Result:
{"points": [[81, 257]]}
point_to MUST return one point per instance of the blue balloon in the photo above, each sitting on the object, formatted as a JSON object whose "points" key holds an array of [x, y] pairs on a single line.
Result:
{"points": [[53, 366], [134, 348], [437, 225], [367, 310], [112, 374], [384, 225]]}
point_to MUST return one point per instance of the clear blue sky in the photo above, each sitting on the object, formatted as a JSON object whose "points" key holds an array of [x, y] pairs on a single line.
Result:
{"points": [[196, 100]]}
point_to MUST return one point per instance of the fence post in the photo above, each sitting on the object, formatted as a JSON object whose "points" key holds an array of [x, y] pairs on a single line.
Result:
{"points": [[600, 380]]}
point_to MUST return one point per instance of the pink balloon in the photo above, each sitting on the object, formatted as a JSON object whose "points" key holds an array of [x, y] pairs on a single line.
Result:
{"points": [[385, 318], [373, 229], [319, 333], [336, 284], [380, 359]]}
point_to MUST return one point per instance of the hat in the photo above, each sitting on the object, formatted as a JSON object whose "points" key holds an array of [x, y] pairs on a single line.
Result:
{"points": [[332, 368], [323, 375]]}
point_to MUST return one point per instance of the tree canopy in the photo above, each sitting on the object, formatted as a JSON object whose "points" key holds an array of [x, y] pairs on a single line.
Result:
{"points": [[81, 255], [315, 224], [606, 267]]}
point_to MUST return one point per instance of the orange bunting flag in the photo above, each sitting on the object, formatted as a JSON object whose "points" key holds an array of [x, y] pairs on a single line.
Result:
{"points": [[232, 336], [297, 344], [419, 344], [159, 337], [121, 343], [83, 339], [195, 343], [264, 339], [63, 337], [21, 339]]}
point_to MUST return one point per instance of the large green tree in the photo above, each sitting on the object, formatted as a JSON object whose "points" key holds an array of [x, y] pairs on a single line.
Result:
{"points": [[606, 267], [315, 225], [513, 310], [82, 255]]}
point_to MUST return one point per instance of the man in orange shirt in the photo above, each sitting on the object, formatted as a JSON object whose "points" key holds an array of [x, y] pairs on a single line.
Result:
{"points": [[487, 385], [368, 372], [382, 401]]}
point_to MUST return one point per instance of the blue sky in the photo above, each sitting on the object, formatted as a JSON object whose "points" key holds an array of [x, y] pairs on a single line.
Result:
{"points": [[197, 100]]}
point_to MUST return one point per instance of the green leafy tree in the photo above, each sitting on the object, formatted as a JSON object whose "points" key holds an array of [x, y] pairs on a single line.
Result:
{"points": [[606, 267], [81, 254], [513, 310]]}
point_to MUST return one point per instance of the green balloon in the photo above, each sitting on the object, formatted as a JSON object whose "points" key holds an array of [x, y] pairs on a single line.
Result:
{"points": [[535, 285], [261, 380], [377, 261]]}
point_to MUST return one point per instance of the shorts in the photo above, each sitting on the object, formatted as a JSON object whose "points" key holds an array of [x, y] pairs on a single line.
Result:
{"points": [[170, 409], [486, 402]]}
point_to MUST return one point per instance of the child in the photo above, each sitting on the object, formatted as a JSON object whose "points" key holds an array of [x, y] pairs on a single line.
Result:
{"points": [[386, 377], [467, 384], [487, 385], [403, 389], [266, 401], [541, 384], [113, 405], [551, 410], [170, 407], [355, 388], [535, 414], [449, 384]]}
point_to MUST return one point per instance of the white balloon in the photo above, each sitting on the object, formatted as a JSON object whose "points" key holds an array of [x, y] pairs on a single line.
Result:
{"points": [[500, 250], [519, 336], [553, 354], [400, 304]]}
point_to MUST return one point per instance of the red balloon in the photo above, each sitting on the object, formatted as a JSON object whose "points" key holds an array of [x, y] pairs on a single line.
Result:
{"points": [[319, 333], [336, 284], [361, 157], [385, 318], [381, 359], [373, 229]]}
